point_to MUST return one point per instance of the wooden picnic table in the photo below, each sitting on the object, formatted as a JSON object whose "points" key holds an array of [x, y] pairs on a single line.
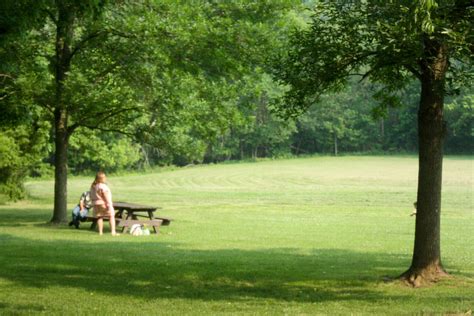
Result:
{"points": [[127, 214], [134, 211]]}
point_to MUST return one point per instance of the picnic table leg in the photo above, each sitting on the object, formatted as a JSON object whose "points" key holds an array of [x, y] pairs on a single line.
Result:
{"points": [[120, 213], [150, 215], [131, 216], [123, 227]]}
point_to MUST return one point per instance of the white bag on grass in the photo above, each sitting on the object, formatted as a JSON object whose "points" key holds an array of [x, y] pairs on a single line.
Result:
{"points": [[136, 230]]}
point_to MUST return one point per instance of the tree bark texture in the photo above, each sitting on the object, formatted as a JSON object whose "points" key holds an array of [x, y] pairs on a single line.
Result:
{"points": [[426, 263], [60, 171], [64, 37]]}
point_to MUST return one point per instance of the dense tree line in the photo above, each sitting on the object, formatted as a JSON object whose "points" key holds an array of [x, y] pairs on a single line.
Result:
{"points": [[347, 122]]}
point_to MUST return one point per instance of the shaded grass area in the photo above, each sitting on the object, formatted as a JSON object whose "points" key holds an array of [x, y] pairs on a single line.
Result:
{"points": [[146, 274], [244, 242], [148, 271]]}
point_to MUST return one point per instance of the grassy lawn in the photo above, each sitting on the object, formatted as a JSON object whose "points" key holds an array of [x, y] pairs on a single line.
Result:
{"points": [[298, 236]]}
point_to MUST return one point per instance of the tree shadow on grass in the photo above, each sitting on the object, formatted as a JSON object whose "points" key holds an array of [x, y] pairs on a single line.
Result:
{"points": [[19, 217], [151, 269]]}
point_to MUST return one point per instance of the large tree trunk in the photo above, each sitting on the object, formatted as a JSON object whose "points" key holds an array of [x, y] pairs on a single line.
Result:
{"points": [[64, 38], [426, 263], [60, 164]]}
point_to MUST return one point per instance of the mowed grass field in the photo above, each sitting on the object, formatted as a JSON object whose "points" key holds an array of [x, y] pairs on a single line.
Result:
{"points": [[298, 236]]}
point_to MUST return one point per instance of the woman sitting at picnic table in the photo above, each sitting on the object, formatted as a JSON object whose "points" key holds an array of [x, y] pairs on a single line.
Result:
{"points": [[101, 197]]}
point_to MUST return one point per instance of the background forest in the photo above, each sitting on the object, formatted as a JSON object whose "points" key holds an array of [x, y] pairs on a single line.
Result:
{"points": [[153, 83]]}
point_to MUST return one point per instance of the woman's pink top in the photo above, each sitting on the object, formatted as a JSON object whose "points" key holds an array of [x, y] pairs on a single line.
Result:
{"points": [[101, 195]]}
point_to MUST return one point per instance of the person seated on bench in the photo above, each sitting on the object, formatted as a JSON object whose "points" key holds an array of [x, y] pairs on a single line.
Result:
{"points": [[102, 202], [79, 213]]}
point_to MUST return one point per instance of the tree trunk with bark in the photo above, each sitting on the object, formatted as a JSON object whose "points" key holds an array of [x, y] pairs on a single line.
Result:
{"points": [[426, 263], [60, 171], [64, 38]]}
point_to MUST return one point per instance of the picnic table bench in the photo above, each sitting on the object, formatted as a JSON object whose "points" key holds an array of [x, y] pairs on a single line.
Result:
{"points": [[128, 214]]}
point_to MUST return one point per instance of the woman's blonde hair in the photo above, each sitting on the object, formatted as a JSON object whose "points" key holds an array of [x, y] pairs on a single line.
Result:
{"points": [[99, 178]]}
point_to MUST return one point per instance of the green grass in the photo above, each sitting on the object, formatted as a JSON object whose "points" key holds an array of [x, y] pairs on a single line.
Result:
{"points": [[298, 236]]}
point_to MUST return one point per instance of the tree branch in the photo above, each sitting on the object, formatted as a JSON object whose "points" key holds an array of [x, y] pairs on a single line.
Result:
{"points": [[364, 76], [110, 130], [114, 113], [412, 69], [6, 76], [5, 96], [47, 107], [85, 122], [51, 16], [123, 34], [84, 41]]}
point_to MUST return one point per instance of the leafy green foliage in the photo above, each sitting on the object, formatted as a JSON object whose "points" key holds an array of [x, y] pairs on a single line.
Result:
{"points": [[460, 114], [203, 68], [91, 151], [339, 123], [21, 151], [255, 131], [385, 48]]}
